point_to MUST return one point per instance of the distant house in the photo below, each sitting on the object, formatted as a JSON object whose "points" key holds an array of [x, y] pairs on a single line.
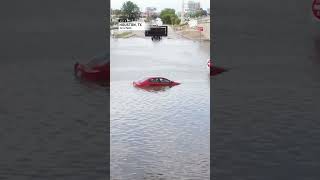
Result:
{"points": [[150, 12]]}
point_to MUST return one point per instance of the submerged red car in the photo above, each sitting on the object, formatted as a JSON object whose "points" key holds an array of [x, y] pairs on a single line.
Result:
{"points": [[316, 9], [155, 82], [97, 69], [215, 70]]}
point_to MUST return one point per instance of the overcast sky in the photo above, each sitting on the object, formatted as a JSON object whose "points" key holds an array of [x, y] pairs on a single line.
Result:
{"points": [[159, 4]]}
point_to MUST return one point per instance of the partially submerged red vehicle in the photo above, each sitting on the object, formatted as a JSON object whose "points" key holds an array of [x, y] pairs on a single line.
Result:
{"points": [[215, 70], [316, 9], [97, 69], [155, 82]]}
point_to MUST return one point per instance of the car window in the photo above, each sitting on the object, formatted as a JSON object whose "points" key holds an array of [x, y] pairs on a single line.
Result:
{"points": [[163, 80], [152, 80]]}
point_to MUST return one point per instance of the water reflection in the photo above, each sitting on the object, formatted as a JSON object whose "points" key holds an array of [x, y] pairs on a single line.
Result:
{"points": [[93, 84], [154, 89]]}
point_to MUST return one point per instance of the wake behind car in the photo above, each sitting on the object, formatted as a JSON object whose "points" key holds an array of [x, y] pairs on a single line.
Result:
{"points": [[155, 82]]}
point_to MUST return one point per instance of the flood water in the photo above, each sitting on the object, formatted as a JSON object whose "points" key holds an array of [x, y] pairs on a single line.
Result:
{"points": [[160, 134], [266, 108]]}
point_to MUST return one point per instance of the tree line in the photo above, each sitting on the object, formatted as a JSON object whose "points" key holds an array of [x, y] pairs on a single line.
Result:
{"points": [[131, 11]]}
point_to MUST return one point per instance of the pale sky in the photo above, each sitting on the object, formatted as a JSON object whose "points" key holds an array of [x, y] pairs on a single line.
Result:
{"points": [[159, 4]]}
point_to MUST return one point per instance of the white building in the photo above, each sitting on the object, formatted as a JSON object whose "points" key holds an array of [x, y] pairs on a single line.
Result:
{"points": [[193, 6], [150, 11]]}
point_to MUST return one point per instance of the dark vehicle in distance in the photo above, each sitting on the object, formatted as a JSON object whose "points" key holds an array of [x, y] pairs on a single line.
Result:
{"points": [[156, 32]]}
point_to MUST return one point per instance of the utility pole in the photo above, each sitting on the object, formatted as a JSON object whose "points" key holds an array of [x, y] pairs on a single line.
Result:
{"points": [[200, 35], [182, 12]]}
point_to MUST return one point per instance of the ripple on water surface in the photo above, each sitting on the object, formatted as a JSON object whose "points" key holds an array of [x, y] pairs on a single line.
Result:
{"points": [[160, 134]]}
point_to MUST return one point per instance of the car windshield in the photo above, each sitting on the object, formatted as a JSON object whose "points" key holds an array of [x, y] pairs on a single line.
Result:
{"points": [[163, 80], [144, 79], [99, 60], [154, 80]]}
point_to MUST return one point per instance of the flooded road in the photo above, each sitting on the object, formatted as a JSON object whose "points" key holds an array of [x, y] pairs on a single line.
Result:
{"points": [[265, 109], [161, 134]]}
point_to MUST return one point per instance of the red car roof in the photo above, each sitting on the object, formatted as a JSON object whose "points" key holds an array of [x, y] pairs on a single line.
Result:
{"points": [[99, 60]]}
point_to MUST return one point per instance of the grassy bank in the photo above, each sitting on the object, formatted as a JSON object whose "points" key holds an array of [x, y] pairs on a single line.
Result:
{"points": [[125, 34]]}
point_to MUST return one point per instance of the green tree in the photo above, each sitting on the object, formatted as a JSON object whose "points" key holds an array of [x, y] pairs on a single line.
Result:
{"points": [[167, 11], [177, 21], [168, 16], [197, 13], [130, 10]]}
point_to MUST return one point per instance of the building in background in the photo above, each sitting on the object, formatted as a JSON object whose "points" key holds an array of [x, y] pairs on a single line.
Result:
{"points": [[150, 12], [193, 6]]}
